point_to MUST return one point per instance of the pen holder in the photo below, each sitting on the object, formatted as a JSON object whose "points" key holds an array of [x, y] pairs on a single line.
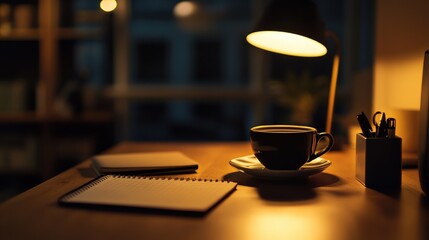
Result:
{"points": [[379, 162]]}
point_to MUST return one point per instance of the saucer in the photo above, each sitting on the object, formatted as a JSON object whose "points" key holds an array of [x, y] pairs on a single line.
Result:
{"points": [[250, 164]]}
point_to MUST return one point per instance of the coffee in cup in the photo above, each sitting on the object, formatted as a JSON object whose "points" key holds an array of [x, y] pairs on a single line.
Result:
{"points": [[288, 147]]}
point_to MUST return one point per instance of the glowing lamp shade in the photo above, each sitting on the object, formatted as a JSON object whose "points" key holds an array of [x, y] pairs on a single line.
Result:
{"points": [[286, 43], [290, 27]]}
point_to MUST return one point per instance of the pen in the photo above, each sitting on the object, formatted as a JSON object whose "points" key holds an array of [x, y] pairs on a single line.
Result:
{"points": [[391, 127]]}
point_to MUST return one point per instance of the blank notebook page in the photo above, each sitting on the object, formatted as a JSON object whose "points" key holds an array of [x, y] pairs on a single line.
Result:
{"points": [[161, 193]]}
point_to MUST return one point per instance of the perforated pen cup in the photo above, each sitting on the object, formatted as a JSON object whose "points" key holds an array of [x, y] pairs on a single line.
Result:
{"points": [[379, 162]]}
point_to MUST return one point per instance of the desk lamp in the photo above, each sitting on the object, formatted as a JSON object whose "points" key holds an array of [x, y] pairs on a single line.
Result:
{"points": [[295, 28]]}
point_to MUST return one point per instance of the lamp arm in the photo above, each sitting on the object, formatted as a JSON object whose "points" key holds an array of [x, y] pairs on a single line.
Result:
{"points": [[334, 78]]}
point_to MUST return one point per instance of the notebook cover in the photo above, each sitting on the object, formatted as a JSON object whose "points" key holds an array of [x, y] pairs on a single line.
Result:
{"points": [[146, 162]]}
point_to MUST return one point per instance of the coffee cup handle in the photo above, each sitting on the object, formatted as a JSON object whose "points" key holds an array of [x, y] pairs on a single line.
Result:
{"points": [[330, 142]]}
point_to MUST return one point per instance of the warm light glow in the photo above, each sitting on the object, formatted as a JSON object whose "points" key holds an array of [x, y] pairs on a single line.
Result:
{"points": [[185, 9], [288, 223], [286, 43], [108, 5]]}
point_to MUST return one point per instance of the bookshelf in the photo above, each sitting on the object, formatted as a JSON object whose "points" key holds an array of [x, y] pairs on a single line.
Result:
{"points": [[53, 110]]}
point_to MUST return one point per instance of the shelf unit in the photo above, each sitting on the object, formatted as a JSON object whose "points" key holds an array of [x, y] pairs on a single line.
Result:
{"points": [[39, 118]]}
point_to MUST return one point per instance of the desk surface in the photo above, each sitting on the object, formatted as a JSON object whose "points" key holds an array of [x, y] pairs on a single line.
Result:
{"points": [[330, 205]]}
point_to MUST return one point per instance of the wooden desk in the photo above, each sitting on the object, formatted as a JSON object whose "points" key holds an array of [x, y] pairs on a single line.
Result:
{"points": [[330, 205]]}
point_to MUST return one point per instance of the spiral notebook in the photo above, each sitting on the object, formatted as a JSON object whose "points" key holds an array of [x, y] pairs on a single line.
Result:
{"points": [[178, 194]]}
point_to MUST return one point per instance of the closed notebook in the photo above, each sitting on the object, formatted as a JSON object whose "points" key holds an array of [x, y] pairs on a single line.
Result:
{"points": [[146, 162], [179, 194]]}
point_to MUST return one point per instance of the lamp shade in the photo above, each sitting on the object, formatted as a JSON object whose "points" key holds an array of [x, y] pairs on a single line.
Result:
{"points": [[291, 27]]}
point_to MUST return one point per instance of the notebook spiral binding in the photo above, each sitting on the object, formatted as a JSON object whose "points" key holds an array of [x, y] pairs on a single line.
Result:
{"points": [[169, 178], [103, 178], [86, 187]]}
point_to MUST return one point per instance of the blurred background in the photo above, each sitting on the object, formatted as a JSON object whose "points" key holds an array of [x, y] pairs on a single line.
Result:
{"points": [[75, 79]]}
